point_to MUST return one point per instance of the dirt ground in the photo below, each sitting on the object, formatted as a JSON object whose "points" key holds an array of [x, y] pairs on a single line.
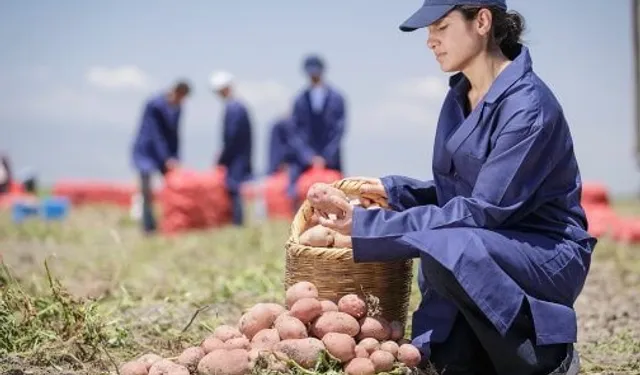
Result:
{"points": [[144, 292]]}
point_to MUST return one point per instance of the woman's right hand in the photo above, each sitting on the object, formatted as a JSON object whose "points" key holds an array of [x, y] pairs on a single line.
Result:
{"points": [[371, 190]]}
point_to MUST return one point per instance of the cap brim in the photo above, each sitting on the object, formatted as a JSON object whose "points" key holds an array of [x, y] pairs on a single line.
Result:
{"points": [[425, 16]]}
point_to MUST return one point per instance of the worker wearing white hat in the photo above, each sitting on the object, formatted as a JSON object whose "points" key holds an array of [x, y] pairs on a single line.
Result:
{"points": [[236, 151]]}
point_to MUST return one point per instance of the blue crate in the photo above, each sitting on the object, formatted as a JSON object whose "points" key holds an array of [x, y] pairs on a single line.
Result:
{"points": [[54, 208], [22, 210]]}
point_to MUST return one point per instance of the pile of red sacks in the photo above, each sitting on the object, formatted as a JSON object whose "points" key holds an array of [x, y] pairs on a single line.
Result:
{"points": [[277, 202], [603, 220], [194, 200], [94, 192]]}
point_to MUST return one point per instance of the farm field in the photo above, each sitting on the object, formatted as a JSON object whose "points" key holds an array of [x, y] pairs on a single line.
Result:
{"points": [[121, 294]]}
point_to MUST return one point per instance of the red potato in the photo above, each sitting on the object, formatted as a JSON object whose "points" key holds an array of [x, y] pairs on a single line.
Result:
{"points": [[369, 344], [360, 366], [256, 319], [238, 343], [361, 351], [299, 290], [317, 236], [340, 345], [306, 309], [409, 355], [226, 332], [166, 367], [304, 352], [211, 343], [134, 368], [265, 339], [320, 195], [190, 357], [382, 361], [225, 362], [342, 241], [267, 360], [397, 330], [328, 305], [377, 327], [275, 308], [391, 347], [149, 359], [353, 305], [332, 321], [289, 328]]}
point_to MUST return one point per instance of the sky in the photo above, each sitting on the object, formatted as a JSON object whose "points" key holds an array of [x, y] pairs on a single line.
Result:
{"points": [[74, 75]]}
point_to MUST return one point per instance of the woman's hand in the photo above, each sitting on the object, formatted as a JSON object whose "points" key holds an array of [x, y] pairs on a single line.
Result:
{"points": [[371, 190], [342, 223]]}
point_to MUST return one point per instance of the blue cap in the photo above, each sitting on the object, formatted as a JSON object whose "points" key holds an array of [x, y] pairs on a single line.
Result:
{"points": [[433, 10], [313, 65]]}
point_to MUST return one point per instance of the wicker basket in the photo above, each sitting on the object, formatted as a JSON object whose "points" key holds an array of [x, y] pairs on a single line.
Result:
{"points": [[335, 273]]}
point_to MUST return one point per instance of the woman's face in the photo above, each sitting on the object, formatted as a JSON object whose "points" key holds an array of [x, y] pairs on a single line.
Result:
{"points": [[456, 41]]}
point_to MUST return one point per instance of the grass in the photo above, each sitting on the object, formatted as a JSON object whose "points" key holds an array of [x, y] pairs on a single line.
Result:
{"points": [[89, 293]]}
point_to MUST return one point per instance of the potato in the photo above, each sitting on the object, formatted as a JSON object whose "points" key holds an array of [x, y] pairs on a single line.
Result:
{"points": [[226, 332], [265, 339], [317, 236], [238, 343], [391, 347], [332, 321], [275, 308], [377, 327], [190, 358], [149, 359], [267, 360], [320, 195], [409, 355], [342, 241], [340, 345], [289, 327], [361, 351], [304, 352], [166, 367], [397, 330], [306, 309], [353, 305], [382, 361], [134, 368], [360, 366], [225, 362], [211, 343], [255, 320], [369, 344], [328, 305], [299, 290]]}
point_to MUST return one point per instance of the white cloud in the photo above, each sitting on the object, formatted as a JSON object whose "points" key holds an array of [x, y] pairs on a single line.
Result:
{"points": [[410, 103], [118, 78]]}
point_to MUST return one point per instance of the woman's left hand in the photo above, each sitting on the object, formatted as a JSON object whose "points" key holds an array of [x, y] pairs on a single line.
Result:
{"points": [[341, 224]]}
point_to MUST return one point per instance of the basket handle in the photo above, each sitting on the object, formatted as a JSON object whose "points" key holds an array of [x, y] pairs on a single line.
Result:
{"points": [[350, 186]]}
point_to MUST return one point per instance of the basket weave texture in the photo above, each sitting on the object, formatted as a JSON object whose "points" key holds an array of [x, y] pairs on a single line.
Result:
{"points": [[334, 272]]}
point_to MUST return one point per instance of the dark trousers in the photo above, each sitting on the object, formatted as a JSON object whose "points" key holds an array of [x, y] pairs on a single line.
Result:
{"points": [[474, 346], [146, 190], [237, 208]]}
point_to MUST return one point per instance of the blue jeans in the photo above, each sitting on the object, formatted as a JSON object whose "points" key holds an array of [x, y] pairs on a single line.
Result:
{"points": [[148, 218], [474, 346], [237, 208]]}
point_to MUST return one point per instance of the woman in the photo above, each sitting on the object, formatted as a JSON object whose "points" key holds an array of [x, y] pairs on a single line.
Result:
{"points": [[500, 232]]}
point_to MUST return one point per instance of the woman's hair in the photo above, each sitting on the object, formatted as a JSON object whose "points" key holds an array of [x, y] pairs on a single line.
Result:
{"points": [[507, 27]]}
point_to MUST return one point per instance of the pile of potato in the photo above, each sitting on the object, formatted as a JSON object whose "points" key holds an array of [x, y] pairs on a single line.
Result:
{"points": [[316, 235], [308, 333]]}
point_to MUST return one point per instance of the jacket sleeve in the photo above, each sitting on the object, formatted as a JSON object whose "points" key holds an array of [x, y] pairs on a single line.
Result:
{"points": [[337, 130], [156, 125], [298, 142], [519, 163], [234, 118], [405, 192]]}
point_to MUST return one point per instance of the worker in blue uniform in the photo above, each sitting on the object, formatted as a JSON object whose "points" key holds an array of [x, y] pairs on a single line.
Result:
{"points": [[280, 155], [156, 145], [500, 232], [317, 126], [237, 140]]}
